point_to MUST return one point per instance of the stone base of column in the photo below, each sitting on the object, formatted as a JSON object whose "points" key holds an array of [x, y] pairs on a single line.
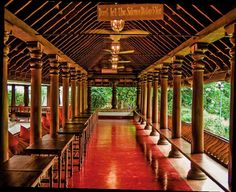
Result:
{"points": [[148, 127], [154, 133], [142, 122], [196, 174], [162, 141], [174, 153]]}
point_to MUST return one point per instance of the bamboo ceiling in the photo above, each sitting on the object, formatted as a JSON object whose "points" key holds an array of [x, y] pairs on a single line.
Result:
{"points": [[64, 24]]}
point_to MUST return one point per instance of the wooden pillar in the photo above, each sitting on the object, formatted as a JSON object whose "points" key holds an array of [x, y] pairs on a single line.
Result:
{"points": [[78, 111], [176, 112], [26, 95], [155, 104], [138, 101], [48, 96], [73, 75], [13, 95], [141, 99], [82, 93], [149, 101], [4, 103], [114, 97], [35, 49], [65, 97], [144, 112], [230, 30], [89, 97], [54, 94], [85, 94], [164, 102], [197, 145]]}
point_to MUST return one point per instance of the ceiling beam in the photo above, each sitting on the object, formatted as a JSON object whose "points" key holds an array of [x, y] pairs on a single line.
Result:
{"points": [[21, 30], [213, 32]]}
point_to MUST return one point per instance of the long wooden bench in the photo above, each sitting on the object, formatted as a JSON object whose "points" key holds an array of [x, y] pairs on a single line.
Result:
{"points": [[214, 170]]}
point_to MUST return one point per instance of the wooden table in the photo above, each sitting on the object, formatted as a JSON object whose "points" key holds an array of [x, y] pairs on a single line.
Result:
{"points": [[80, 132], [52, 147], [26, 163], [19, 178], [69, 139]]}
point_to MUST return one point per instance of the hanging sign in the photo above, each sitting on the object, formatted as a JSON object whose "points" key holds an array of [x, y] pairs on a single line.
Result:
{"points": [[130, 12]]}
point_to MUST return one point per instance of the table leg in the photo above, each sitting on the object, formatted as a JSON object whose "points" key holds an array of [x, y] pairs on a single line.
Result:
{"points": [[59, 170], [66, 167]]}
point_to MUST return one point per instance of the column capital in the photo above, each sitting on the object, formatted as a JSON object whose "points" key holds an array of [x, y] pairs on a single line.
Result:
{"points": [[53, 61], [78, 75], [156, 75], [149, 76], [164, 71], [73, 74], [230, 29], [65, 70], [177, 62], [35, 49], [198, 52], [6, 37], [6, 48]]}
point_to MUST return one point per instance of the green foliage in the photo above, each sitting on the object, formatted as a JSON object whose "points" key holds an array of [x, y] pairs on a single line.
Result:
{"points": [[126, 97], [101, 97]]}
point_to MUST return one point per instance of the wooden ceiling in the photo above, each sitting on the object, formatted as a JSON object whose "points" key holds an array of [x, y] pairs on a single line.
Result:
{"points": [[65, 23]]}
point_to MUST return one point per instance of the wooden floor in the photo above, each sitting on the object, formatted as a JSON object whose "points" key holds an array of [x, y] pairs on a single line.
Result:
{"points": [[121, 155]]}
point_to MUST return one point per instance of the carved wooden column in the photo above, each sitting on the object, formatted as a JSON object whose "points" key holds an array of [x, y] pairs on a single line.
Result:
{"points": [[89, 96], [86, 94], [4, 103], [138, 101], [114, 97], [155, 104], [13, 95], [65, 97], [141, 99], [78, 93], [83, 93], [54, 94], [149, 101], [73, 76], [26, 95], [35, 49], [164, 102], [176, 112], [144, 112], [48, 96], [230, 30], [197, 145]]}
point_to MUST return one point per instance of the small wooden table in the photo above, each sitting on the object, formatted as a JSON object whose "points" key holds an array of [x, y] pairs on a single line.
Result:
{"points": [[52, 147], [61, 137], [26, 163], [19, 178], [80, 132]]}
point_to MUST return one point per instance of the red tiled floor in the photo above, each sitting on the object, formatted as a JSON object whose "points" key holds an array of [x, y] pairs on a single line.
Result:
{"points": [[121, 156]]}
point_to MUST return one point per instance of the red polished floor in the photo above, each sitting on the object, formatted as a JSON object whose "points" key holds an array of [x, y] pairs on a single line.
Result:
{"points": [[121, 156]]}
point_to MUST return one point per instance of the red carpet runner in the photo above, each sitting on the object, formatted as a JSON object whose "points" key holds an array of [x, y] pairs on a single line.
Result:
{"points": [[116, 160]]}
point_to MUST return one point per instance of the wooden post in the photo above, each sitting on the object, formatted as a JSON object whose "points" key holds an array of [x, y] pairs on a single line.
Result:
{"points": [[197, 145], [155, 104], [82, 92], [114, 97], [230, 30], [144, 112], [89, 96], [164, 102], [149, 101], [54, 94], [48, 96], [78, 93], [13, 95], [138, 101], [4, 103], [26, 95], [65, 98], [141, 99], [86, 94], [73, 76], [176, 112], [35, 49]]}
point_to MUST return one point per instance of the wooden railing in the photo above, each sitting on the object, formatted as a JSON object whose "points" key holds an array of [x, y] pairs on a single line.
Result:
{"points": [[215, 147]]}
